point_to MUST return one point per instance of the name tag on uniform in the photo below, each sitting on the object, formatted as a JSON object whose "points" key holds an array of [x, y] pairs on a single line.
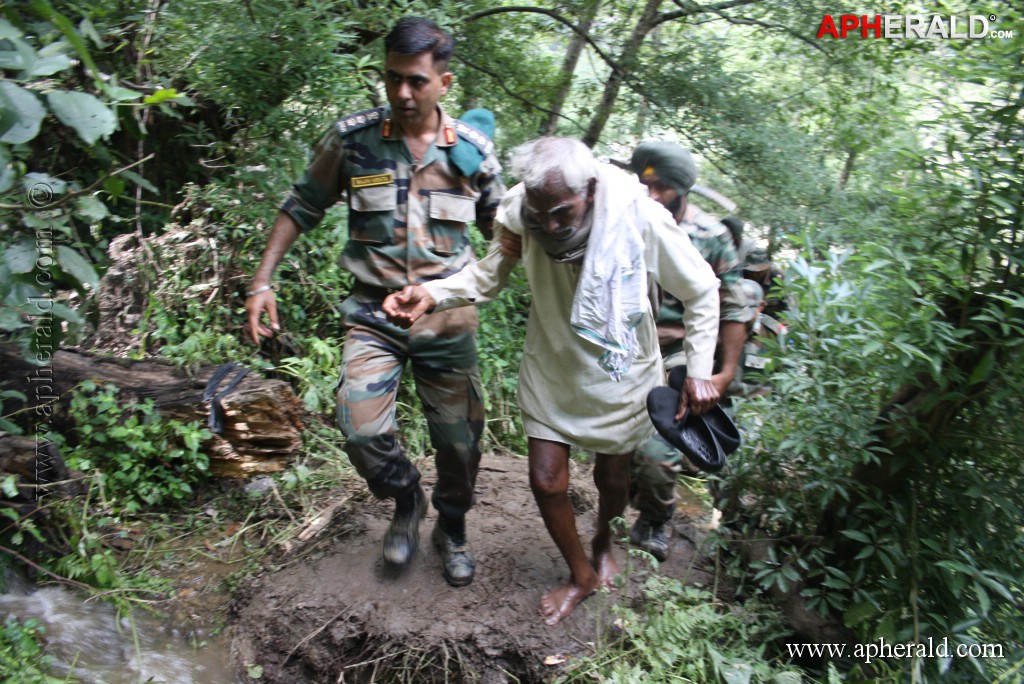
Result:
{"points": [[370, 181]]}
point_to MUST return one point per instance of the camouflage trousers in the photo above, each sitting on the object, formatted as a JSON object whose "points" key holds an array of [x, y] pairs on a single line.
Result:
{"points": [[657, 464], [441, 351], [655, 467]]}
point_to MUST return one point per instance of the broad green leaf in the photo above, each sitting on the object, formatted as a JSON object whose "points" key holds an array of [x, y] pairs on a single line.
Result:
{"points": [[91, 208], [787, 678], [8, 30], [44, 9], [7, 177], [119, 94], [50, 65], [983, 369], [9, 487], [90, 118], [21, 114], [22, 57], [66, 313], [13, 60], [11, 320], [21, 257], [858, 613], [51, 59], [114, 186], [80, 269], [161, 95], [139, 180], [41, 189], [88, 29]]}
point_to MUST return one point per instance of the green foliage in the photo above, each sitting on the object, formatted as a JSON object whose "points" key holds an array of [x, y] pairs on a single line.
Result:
{"points": [[21, 653], [684, 634], [939, 554], [499, 350], [51, 211], [144, 459], [316, 373]]}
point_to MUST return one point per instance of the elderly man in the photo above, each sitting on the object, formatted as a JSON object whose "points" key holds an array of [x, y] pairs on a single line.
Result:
{"points": [[590, 240], [669, 171], [414, 178]]}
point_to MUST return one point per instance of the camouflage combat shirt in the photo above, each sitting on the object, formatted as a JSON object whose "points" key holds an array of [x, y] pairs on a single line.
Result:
{"points": [[408, 222], [714, 241]]}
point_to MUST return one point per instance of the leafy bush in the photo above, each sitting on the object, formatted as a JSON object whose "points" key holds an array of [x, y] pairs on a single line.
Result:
{"points": [[885, 522], [684, 634], [143, 458], [21, 653]]}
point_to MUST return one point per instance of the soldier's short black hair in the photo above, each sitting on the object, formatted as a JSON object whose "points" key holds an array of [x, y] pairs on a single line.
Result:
{"points": [[416, 35], [735, 226]]}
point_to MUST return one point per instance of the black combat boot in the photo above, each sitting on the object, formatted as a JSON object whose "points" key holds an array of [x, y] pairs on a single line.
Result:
{"points": [[403, 535], [650, 536], [449, 539]]}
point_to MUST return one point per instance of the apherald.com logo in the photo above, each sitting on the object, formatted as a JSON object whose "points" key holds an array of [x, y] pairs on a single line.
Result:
{"points": [[902, 26]]}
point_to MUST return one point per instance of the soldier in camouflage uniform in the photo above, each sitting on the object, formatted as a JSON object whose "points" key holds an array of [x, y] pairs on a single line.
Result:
{"points": [[410, 201], [758, 266], [761, 328], [669, 172]]}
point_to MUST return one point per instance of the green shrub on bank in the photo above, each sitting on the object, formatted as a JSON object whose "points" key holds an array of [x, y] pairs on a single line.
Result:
{"points": [[683, 634], [21, 653], [142, 459]]}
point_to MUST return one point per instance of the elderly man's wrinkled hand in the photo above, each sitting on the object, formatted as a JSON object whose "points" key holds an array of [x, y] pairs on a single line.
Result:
{"points": [[511, 244], [699, 396], [406, 307]]}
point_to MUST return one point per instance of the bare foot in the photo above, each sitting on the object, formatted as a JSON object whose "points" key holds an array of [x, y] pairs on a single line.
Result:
{"points": [[560, 601], [607, 569]]}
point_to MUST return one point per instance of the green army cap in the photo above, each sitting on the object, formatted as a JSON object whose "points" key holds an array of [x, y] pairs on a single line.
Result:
{"points": [[670, 162], [757, 260]]}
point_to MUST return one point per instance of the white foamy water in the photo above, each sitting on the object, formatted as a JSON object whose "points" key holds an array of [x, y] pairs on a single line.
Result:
{"points": [[91, 642]]}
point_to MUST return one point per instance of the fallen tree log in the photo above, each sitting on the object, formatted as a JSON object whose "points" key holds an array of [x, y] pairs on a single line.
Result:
{"points": [[262, 422]]}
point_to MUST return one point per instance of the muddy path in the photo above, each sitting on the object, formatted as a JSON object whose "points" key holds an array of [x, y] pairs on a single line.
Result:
{"points": [[338, 616]]}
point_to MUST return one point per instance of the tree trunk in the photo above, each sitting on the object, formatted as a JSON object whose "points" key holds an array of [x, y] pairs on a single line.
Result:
{"points": [[572, 57], [626, 60], [261, 418]]}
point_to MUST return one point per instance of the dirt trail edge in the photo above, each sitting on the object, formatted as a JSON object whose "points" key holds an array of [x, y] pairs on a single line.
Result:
{"points": [[339, 616]]}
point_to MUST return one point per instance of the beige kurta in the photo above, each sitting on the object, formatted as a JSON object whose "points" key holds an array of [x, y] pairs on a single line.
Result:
{"points": [[563, 393]]}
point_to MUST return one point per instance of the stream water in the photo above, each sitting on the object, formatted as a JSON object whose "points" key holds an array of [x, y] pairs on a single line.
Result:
{"points": [[89, 641]]}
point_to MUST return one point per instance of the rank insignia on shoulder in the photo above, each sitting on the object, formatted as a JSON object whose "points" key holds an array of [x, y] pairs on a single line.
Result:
{"points": [[370, 181], [385, 129], [474, 136], [348, 124], [449, 135]]}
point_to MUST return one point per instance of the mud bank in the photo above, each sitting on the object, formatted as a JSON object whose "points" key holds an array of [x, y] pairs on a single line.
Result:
{"points": [[339, 616]]}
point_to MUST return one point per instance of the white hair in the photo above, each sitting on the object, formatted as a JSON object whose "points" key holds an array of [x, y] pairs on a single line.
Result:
{"points": [[534, 162]]}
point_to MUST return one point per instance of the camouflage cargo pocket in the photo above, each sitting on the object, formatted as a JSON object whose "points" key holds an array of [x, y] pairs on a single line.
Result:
{"points": [[449, 218], [372, 214]]}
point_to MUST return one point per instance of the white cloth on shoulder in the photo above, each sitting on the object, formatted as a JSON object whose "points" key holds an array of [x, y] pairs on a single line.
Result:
{"points": [[611, 297]]}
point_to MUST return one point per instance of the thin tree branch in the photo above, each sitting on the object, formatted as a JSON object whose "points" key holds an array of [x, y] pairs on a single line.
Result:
{"points": [[499, 79], [63, 580], [554, 15], [71, 195], [689, 9], [780, 27]]}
